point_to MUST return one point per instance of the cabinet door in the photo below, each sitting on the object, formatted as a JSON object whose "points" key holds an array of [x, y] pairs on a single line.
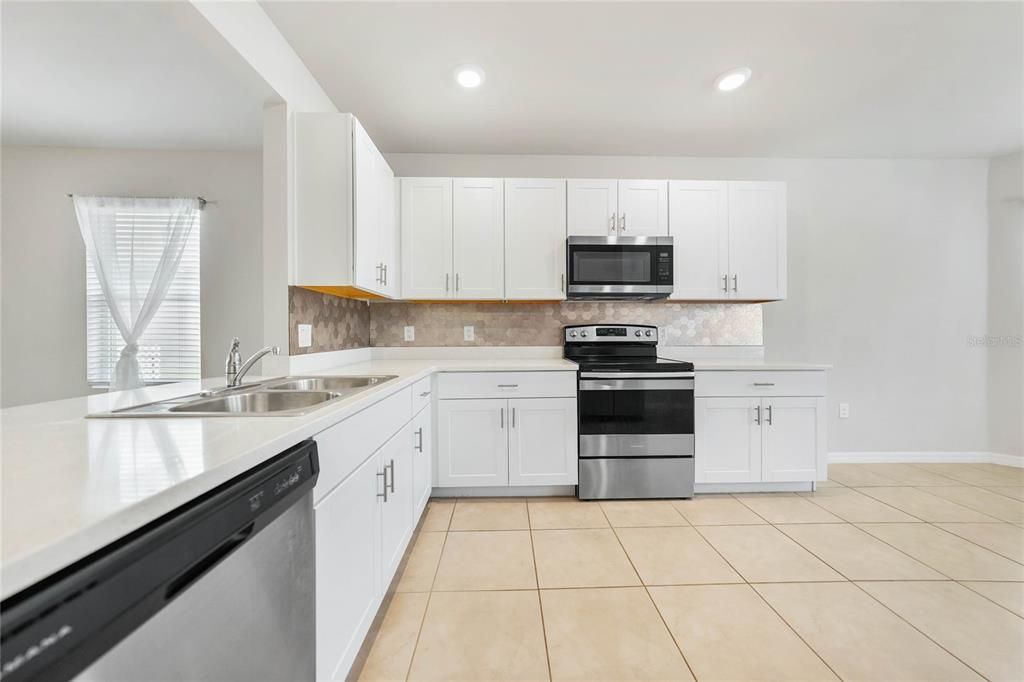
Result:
{"points": [[535, 239], [699, 225], [643, 208], [592, 207], [478, 218], [366, 183], [422, 460], [426, 216], [472, 442], [387, 235], [396, 510], [542, 442], [794, 438], [757, 240], [348, 584], [323, 199], [728, 447]]}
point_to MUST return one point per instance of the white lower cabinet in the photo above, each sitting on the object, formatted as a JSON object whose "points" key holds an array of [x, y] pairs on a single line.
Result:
{"points": [[542, 441], [422, 459], [728, 447], [348, 560], [794, 437], [759, 440], [472, 442], [501, 442], [395, 461]]}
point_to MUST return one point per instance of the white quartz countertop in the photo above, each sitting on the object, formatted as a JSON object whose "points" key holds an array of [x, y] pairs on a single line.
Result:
{"points": [[755, 365], [72, 485]]}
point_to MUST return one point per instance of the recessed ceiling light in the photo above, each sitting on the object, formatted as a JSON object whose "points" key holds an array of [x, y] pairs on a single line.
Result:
{"points": [[731, 80], [469, 76]]}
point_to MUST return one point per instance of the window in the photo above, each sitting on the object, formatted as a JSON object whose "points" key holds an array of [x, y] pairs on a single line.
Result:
{"points": [[169, 350]]}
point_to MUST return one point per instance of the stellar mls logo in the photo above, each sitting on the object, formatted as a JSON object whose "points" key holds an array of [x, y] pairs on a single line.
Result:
{"points": [[34, 650]]}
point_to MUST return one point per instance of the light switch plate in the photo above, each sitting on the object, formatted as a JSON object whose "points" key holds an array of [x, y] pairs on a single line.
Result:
{"points": [[410, 333], [844, 410], [305, 335], [467, 333]]}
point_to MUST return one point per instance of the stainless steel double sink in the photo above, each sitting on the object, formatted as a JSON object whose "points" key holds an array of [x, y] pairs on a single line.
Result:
{"points": [[282, 397]]}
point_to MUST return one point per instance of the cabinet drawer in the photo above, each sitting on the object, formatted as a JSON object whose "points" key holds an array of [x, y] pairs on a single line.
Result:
{"points": [[723, 383], [422, 392], [506, 385], [344, 446]]}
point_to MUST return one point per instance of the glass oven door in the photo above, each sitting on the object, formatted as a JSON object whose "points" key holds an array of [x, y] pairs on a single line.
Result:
{"points": [[636, 414]]}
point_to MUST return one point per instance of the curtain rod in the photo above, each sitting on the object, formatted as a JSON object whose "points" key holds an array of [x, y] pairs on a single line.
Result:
{"points": [[202, 202]]}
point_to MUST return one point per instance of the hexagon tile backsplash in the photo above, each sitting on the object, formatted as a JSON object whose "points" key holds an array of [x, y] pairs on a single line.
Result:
{"points": [[340, 323], [540, 324]]}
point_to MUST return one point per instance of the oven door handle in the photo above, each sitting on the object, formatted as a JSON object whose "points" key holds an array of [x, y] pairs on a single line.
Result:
{"points": [[636, 375], [636, 385]]}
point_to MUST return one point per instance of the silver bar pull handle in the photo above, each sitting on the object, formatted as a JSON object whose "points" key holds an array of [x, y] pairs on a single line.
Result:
{"points": [[446, 278], [613, 223], [385, 274], [508, 385], [757, 413], [503, 417], [456, 281], [513, 417], [769, 415], [735, 282], [725, 282], [561, 283], [384, 475], [419, 439], [392, 467], [622, 222], [764, 383], [424, 394]]}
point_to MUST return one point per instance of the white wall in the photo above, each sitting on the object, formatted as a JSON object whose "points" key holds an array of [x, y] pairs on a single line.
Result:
{"points": [[42, 349], [1006, 304], [887, 281]]}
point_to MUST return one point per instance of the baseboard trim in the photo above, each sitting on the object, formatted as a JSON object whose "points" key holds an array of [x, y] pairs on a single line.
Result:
{"points": [[912, 457], [505, 491]]}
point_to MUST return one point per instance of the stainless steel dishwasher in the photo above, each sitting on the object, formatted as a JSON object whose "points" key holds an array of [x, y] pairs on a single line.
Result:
{"points": [[219, 589]]}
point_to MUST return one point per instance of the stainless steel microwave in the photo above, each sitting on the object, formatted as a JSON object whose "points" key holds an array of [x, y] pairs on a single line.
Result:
{"points": [[619, 268]]}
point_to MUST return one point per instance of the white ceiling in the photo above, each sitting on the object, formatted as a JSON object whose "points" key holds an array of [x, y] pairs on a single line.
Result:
{"points": [[830, 79], [125, 74]]}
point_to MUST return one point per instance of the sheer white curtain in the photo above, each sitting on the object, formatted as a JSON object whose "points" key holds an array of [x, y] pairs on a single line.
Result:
{"points": [[133, 291]]}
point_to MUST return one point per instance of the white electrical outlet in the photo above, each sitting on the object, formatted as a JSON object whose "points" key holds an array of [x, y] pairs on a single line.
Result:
{"points": [[410, 333], [467, 333], [305, 335], [844, 410]]}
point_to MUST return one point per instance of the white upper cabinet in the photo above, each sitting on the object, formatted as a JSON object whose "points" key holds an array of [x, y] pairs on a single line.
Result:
{"points": [[757, 240], [323, 171], [729, 240], [699, 226], [478, 251], [643, 208], [366, 178], [535, 218], [592, 207], [426, 238], [345, 213]]}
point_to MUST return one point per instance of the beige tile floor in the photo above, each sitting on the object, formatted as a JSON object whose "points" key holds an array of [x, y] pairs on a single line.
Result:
{"points": [[887, 572]]}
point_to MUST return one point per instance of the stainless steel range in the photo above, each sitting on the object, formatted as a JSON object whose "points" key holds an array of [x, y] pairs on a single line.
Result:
{"points": [[635, 414]]}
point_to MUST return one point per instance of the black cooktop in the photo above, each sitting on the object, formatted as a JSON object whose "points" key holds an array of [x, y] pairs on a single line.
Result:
{"points": [[618, 348]]}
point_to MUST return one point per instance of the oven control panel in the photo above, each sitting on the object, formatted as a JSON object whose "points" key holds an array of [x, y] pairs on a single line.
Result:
{"points": [[611, 333]]}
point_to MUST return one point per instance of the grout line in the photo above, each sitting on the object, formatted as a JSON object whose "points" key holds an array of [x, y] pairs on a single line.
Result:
{"points": [[540, 602], [430, 594], [750, 586], [962, 583], [647, 591]]}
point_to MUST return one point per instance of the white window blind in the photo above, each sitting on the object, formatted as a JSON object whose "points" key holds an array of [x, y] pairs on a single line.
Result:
{"points": [[169, 350]]}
